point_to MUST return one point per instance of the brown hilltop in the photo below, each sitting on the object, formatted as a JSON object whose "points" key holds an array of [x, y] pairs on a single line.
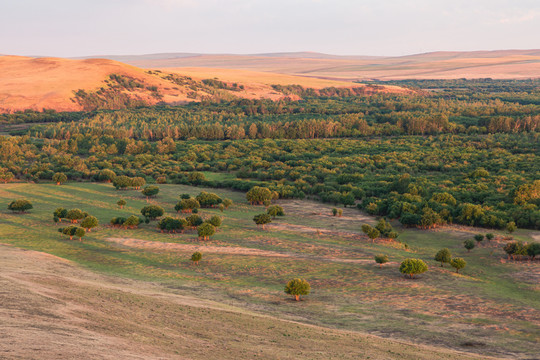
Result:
{"points": [[51, 83]]}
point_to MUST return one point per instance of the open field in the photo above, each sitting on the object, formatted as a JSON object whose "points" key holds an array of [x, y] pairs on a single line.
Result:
{"points": [[491, 308]]}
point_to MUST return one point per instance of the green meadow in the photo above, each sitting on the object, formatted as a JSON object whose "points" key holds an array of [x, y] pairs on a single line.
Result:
{"points": [[491, 307]]}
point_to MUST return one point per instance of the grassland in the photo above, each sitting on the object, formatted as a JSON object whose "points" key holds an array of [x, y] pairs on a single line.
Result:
{"points": [[491, 308]]}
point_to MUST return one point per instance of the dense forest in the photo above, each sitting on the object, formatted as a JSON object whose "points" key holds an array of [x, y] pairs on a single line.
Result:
{"points": [[455, 151]]}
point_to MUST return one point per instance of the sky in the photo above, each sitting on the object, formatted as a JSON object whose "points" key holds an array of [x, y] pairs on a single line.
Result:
{"points": [[70, 28]]}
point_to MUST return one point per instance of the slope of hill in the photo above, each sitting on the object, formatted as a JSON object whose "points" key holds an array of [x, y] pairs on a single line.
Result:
{"points": [[503, 64], [72, 85]]}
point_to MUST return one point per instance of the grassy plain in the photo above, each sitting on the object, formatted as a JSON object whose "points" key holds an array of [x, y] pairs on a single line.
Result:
{"points": [[491, 308]]}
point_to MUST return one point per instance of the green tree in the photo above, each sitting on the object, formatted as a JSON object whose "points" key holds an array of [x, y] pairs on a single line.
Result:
{"points": [[20, 206], [381, 259], [89, 222], [150, 191], [80, 232], [106, 175], [262, 219], [152, 212], [70, 231], [334, 211], [194, 220], [121, 203], [187, 205], [469, 244], [138, 182], [59, 178], [479, 238], [458, 263], [6, 176], [413, 267], [371, 232], [297, 287], [132, 222], [227, 203], [490, 236], [207, 199], [511, 227], [443, 256], [215, 221], [258, 195], [533, 249], [74, 215], [275, 210], [205, 230], [221, 207], [122, 182], [196, 257]]}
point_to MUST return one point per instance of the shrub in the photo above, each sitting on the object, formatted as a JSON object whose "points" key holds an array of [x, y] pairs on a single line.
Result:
{"points": [[479, 237], [297, 287], [381, 259], [334, 211], [227, 203], [275, 210], [458, 263], [59, 178], [469, 245], [413, 267], [152, 212], [20, 206], [206, 230], [196, 257], [443, 256], [89, 222]]}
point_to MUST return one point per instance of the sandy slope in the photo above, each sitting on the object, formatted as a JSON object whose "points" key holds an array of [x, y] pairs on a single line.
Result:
{"points": [[52, 309]]}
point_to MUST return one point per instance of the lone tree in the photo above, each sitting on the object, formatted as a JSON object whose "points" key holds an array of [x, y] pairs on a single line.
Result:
{"points": [[371, 232], [121, 203], [262, 219], [258, 195], [206, 230], [89, 222], [221, 207], [490, 236], [196, 257], [297, 287], [152, 212], [59, 178], [413, 267], [74, 215], [443, 256], [79, 232], [479, 238], [458, 263], [469, 245], [533, 249], [20, 206], [334, 211], [381, 259], [275, 210], [150, 191]]}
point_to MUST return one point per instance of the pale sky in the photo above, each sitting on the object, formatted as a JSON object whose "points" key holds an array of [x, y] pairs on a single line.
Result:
{"points": [[69, 28]]}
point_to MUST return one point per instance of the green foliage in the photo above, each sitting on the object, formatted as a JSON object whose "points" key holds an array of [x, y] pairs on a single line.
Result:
{"points": [[227, 203], [150, 191], [297, 287], [479, 237], [215, 221], [262, 219], [80, 232], [458, 263], [533, 249], [258, 195], [121, 203], [469, 244], [381, 259], [443, 256], [207, 199], [75, 215], [413, 267], [196, 257], [370, 231], [511, 227], [152, 212], [205, 230], [385, 229], [194, 220], [490, 236], [187, 205], [89, 222], [170, 224], [59, 178], [20, 206], [275, 210], [132, 222]]}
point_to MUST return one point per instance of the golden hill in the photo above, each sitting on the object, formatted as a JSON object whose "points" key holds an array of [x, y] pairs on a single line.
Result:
{"points": [[72, 85]]}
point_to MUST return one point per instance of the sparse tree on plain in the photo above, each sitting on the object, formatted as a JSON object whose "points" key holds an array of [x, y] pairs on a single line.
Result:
{"points": [[297, 287]]}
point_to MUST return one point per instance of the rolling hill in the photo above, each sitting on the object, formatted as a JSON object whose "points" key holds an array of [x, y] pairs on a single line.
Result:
{"points": [[73, 85]]}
